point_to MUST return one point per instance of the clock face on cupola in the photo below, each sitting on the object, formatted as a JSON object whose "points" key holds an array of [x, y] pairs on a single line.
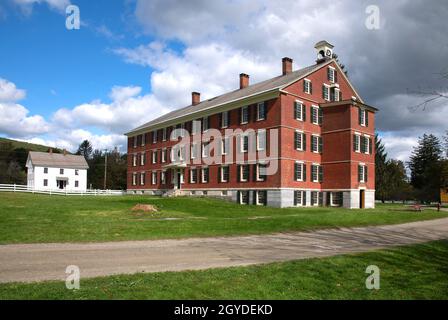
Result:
{"points": [[324, 50]]}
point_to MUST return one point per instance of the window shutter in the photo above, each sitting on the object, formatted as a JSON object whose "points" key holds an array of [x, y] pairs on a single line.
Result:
{"points": [[370, 145], [359, 116], [328, 74], [304, 141], [311, 87], [321, 115], [304, 198], [304, 172], [323, 92], [354, 142], [220, 120], [359, 173], [296, 140], [313, 114], [320, 144], [303, 112], [304, 86], [367, 118], [296, 109], [219, 174], [240, 112], [255, 172], [335, 76], [296, 175], [365, 174], [295, 197], [321, 174], [238, 173], [340, 95], [312, 143], [229, 121]]}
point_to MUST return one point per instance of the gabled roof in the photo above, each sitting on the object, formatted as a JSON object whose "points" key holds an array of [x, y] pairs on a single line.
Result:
{"points": [[273, 84], [46, 159]]}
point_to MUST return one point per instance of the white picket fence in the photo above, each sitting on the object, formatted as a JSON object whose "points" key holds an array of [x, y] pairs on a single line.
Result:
{"points": [[94, 192]]}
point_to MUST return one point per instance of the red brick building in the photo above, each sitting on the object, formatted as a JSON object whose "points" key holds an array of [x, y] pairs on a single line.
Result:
{"points": [[303, 138]]}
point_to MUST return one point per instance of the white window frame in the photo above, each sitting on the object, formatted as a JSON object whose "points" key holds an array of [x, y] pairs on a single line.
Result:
{"points": [[222, 173], [142, 159], [224, 145], [316, 112], [327, 91], [302, 108], [203, 175], [193, 150], [143, 139], [225, 119], [264, 135], [302, 134], [242, 137], [163, 177], [301, 163], [154, 136], [314, 204], [191, 175], [363, 173], [316, 144], [164, 136], [244, 110], [357, 138], [241, 173], [258, 176], [261, 104], [257, 198], [154, 156], [134, 160], [301, 192], [367, 144], [164, 155], [317, 166], [142, 181], [135, 141], [307, 86], [363, 116], [134, 178], [332, 75], [205, 120], [205, 149], [336, 94]]}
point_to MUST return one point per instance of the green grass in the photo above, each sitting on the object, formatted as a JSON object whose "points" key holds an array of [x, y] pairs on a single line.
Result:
{"points": [[28, 218], [26, 145], [411, 272]]}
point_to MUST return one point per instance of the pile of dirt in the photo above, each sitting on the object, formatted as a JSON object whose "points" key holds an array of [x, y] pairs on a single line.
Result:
{"points": [[145, 208]]}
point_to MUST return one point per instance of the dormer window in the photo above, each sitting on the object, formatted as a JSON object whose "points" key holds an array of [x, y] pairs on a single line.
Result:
{"points": [[331, 74]]}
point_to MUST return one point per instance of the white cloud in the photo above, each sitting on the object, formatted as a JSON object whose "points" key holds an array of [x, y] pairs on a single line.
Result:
{"points": [[9, 91], [14, 121], [27, 5], [399, 147]]}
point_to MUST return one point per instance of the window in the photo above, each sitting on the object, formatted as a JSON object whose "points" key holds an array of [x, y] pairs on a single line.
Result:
{"points": [[363, 117], [261, 140], [244, 172], [224, 145], [299, 111], [142, 159], [163, 177], [193, 175], [76, 172], [164, 134], [154, 178], [316, 144], [205, 149], [154, 136], [326, 92], [316, 115], [204, 175], [142, 178], [135, 141], [261, 197], [244, 141], [260, 170], [243, 197], [45, 170], [365, 144], [362, 173], [299, 198], [205, 123], [181, 153], [261, 111], [194, 150], [134, 160], [244, 115], [225, 119], [61, 171], [45, 182], [336, 199], [134, 179], [307, 86], [331, 74], [299, 171], [357, 142], [316, 198], [299, 141], [154, 156], [225, 173], [316, 173], [164, 154], [143, 139], [335, 94]]}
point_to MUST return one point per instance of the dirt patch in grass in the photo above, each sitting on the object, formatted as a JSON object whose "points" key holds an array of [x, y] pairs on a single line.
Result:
{"points": [[145, 208]]}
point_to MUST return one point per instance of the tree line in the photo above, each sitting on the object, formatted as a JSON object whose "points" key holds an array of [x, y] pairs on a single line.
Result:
{"points": [[428, 168]]}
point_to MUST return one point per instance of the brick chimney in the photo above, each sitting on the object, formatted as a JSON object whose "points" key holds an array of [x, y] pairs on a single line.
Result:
{"points": [[244, 80], [286, 65], [195, 98]]}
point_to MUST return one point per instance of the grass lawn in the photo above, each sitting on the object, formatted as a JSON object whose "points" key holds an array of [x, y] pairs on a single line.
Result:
{"points": [[411, 272], [28, 218]]}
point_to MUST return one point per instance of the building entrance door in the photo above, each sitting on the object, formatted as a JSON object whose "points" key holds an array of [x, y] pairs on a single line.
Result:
{"points": [[362, 198], [61, 184], [178, 179]]}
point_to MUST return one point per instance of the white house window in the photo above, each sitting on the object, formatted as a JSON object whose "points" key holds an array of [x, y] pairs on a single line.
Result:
{"points": [[244, 115], [326, 92], [154, 156], [142, 178], [335, 94], [260, 172], [181, 153], [316, 173], [164, 134], [163, 177], [299, 140], [362, 117], [316, 144], [61, 171], [225, 119], [224, 145], [299, 171], [261, 111], [194, 150], [244, 173], [164, 154], [76, 172], [143, 139], [154, 136], [205, 149], [135, 141], [299, 198], [134, 179], [225, 173], [205, 173], [261, 197], [299, 111], [314, 198], [154, 178], [193, 175], [357, 142], [307, 86], [142, 159], [134, 160], [244, 142], [45, 182], [366, 144], [45, 170], [243, 197], [205, 123], [336, 199], [362, 173], [316, 115], [196, 126], [331, 74], [261, 140]]}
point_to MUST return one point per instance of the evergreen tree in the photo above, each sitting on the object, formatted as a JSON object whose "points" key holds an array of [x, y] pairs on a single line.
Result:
{"points": [[425, 165], [381, 183], [85, 149]]}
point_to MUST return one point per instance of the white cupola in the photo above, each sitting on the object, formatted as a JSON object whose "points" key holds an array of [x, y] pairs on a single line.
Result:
{"points": [[324, 50]]}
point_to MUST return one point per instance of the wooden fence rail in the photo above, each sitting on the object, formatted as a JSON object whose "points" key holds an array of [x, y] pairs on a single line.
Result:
{"points": [[93, 192]]}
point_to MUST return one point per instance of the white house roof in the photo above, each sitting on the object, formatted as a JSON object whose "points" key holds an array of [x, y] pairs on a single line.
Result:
{"points": [[46, 159]]}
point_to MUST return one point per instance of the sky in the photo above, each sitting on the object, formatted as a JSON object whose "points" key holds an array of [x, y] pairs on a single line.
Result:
{"points": [[134, 60]]}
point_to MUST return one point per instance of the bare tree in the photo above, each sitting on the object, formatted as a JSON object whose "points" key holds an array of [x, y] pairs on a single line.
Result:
{"points": [[429, 96]]}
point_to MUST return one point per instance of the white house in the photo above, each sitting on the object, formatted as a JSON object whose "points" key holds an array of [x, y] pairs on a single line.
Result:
{"points": [[49, 171]]}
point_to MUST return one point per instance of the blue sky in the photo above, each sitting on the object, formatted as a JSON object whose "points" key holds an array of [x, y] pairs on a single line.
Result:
{"points": [[133, 60]]}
